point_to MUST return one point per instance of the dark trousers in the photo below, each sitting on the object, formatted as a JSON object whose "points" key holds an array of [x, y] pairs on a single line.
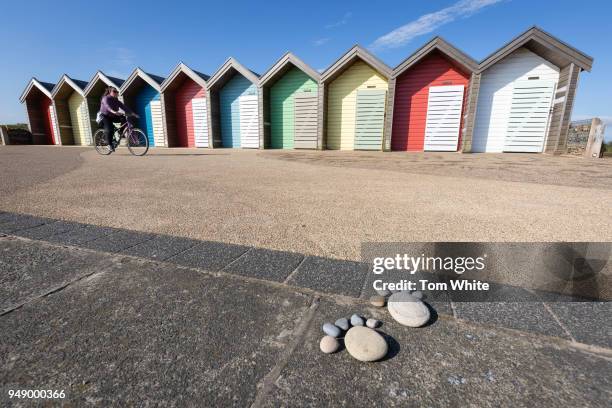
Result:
{"points": [[109, 128]]}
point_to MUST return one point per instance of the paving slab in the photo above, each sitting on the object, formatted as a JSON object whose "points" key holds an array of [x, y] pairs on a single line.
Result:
{"points": [[150, 334], [161, 247], [118, 241], [46, 230], [525, 316], [17, 222], [587, 322], [78, 236], [211, 256], [31, 269], [330, 275], [446, 364], [265, 264]]}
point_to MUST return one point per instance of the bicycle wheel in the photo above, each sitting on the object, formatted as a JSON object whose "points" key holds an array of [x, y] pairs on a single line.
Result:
{"points": [[100, 143], [137, 142]]}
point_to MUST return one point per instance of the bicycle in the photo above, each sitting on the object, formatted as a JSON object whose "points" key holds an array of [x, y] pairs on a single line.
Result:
{"points": [[137, 141]]}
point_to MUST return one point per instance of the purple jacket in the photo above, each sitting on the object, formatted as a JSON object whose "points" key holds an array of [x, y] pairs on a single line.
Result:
{"points": [[111, 104]]}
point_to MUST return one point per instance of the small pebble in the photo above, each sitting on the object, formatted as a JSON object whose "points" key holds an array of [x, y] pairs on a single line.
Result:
{"points": [[357, 320], [372, 323], [378, 301], [417, 294], [329, 344], [365, 344], [331, 330], [383, 292], [343, 323]]}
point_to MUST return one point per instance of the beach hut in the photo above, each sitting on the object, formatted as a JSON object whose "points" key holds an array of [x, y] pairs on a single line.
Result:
{"points": [[185, 108], [353, 95], [95, 90], [234, 106], [141, 93], [430, 90], [40, 112], [71, 111], [524, 93], [289, 102]]}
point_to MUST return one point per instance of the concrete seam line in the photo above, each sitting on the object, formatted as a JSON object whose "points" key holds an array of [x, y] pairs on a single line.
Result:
{"points": [[267, 383], [56, 289], [178, 253], [554, 315], [131, 246], [235, 260], [293, 272]]}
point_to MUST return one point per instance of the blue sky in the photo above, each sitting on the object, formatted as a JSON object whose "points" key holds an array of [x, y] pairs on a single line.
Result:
{"points": [[46, 39]]}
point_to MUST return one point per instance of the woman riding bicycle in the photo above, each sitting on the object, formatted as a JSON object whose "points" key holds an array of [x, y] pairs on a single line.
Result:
{"points": [[110, 110]]}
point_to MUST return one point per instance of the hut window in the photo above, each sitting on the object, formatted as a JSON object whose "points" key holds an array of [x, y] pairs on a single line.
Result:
{"points": [[447, 83], [533, 78], [371, 86]]}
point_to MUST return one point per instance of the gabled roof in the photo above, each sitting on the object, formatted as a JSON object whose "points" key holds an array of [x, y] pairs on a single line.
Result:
{"points": [[76, 84], [196, 76], [108, 80], [357, 52], [280, 67], [154, 80], [439, 44], [44, 87], [226, 67], [544, 44]]}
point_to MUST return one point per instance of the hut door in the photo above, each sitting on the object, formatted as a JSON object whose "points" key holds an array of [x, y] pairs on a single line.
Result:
{"points": [[529, 116], [444, 106], [369, 119], [157, 123], [305, 111], [200, 121], [249, 124]]}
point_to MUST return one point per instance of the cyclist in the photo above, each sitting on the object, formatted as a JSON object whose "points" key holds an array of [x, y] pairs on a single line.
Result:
{"points": [[111, 112]]}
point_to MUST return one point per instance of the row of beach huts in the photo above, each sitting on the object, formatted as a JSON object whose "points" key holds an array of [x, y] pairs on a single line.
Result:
{"points": [[518, 99]]}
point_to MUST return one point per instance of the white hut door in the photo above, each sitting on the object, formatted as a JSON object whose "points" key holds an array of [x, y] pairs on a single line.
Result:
{"points": [[529, 116], [443, 121], [200, 121], [249, 123]]}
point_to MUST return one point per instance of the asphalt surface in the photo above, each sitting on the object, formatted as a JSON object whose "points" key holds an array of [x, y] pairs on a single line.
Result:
{"points": [[113, 329], [320, 203]]}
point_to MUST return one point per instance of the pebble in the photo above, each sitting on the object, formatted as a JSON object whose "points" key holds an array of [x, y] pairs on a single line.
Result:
{"points": [[383, 292], [343, 323], [356, 320], [372, 323], [331, 330], [329, 344], [365, 344], [417, 294], [408, 310], [378, 301]]}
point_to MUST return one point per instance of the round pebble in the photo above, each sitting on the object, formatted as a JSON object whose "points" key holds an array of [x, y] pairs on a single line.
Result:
{"points": [[331, 330], [383, 292], [329, 344], [408, 310], [417, 294], [343, 323], [365, 344], [378, 301], [372, 323], [357, 320]]}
